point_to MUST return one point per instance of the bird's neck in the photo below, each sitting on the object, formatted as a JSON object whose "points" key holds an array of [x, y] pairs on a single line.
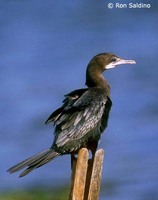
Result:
{"points": [[96, 79]]}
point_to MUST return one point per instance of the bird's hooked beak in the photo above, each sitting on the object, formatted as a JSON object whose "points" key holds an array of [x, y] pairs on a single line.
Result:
{"points": [[119, 61]]}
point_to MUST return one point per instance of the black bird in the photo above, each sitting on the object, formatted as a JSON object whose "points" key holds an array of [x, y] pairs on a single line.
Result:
{"points": [[82, 118]]}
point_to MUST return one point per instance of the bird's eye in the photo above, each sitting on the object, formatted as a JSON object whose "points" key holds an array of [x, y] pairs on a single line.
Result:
{"points": [[113, 59]]}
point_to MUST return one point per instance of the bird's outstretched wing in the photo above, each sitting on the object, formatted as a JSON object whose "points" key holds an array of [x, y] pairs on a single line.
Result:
{"points": [[81, 112]]}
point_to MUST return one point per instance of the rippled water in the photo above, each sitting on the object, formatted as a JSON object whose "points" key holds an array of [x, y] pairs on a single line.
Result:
{"points": [[45, 48]]}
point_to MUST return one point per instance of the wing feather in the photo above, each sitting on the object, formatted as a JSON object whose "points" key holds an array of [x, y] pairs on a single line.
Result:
{"points": [[80, 124], [81, 112]]}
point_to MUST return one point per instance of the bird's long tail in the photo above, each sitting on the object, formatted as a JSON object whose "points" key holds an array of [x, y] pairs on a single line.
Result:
{"points": [[34, 162]]}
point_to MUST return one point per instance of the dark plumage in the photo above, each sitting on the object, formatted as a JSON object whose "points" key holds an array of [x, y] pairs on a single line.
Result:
{"points": [[82, 117]]}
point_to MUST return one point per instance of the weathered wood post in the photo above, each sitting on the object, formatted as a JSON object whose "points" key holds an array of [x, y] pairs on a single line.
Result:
{"points": [[86, 176]]}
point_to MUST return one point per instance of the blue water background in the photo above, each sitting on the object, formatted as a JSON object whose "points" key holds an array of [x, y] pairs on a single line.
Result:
{"points": [[45, 47]]}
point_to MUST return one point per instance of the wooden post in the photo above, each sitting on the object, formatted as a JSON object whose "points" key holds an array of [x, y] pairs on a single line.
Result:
{"points": [[86, 176]]}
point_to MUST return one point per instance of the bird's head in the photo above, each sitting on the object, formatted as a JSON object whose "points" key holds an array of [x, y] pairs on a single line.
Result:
{"points": [[106, 61], [99, 64]]}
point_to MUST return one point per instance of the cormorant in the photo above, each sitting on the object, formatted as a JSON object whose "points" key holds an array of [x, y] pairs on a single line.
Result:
{"points": [[82, 118]]}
